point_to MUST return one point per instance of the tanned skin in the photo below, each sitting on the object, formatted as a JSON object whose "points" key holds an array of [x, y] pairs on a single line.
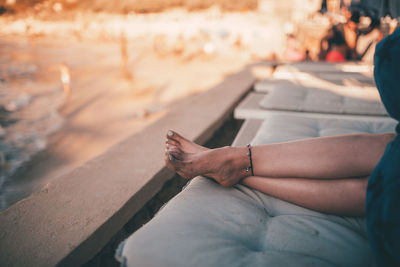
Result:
{"points": [[327, 174]]}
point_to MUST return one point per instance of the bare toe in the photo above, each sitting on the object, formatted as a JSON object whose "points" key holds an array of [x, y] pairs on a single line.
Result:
{"points": [[176, 153], [170, 142], [183, 143], [171, 135]]}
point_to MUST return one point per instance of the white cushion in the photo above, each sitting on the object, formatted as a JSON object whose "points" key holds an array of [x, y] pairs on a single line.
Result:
{"points": [[209, 225], [308, 99]]}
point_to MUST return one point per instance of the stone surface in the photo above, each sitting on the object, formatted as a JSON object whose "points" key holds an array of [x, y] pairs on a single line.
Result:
{"points": [[247, 132]]}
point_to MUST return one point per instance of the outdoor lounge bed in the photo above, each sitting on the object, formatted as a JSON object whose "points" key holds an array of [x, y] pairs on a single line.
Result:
{"points": [[301, 94], [321, 66], [334, 73], [335, 77], [258, 106], [209, 225], [284, 96], [267, 85]]}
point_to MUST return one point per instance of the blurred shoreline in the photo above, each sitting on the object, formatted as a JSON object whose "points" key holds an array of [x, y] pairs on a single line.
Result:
{"points": [[46, 133]]}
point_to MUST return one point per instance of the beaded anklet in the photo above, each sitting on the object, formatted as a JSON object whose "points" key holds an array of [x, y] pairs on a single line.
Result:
{"points": [[251, 161]]}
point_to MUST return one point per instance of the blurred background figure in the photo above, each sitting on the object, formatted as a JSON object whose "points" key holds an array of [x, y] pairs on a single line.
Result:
{"points": [[339, 43], [293, 51], [356, 26]]}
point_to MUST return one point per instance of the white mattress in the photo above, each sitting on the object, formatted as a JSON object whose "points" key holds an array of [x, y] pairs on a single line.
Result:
{"points": [[354, 101], [348, 67], [249, 108], [209, 225]]}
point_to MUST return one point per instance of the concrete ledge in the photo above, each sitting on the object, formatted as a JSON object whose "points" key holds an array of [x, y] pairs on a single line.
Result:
{"points": [[247, 132], [70, 220]]}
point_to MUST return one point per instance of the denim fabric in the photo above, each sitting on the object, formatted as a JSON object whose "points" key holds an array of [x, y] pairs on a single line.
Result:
{"points": [[383, 192], [382, 7]]}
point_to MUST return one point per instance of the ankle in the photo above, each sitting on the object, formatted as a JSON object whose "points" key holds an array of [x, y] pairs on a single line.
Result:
{"points": [[237, 157], [243, 159]]}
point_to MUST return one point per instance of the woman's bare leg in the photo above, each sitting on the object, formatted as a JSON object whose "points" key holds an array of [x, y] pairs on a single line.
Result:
{"points": [[345, 197], [333, 157]]}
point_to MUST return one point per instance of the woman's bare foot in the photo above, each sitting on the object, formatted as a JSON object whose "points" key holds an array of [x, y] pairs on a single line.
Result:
{"points": [[226, 165]]}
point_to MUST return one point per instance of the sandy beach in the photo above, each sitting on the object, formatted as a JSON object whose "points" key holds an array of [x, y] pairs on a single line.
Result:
{"points": [[105, 106]]}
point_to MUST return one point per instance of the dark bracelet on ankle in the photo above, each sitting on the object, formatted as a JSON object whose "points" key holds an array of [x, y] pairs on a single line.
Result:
{"points": [[251, 161]]}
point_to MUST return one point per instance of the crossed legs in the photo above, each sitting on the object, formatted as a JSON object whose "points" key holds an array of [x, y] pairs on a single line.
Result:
{"points": [[328, 174]]}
